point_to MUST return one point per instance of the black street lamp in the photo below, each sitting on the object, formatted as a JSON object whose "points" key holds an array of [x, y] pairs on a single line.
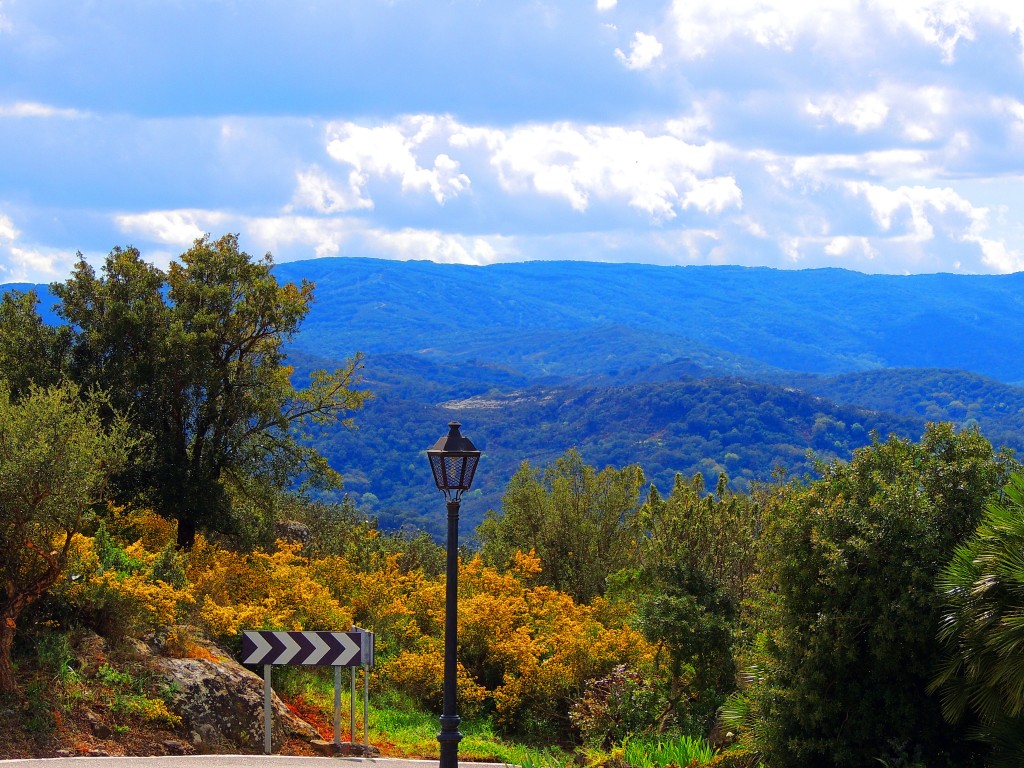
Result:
{"points": [[453, 461]]}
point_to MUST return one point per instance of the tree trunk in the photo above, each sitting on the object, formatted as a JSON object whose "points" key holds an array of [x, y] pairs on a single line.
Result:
{"points": [[186, 533], [8, 684]]}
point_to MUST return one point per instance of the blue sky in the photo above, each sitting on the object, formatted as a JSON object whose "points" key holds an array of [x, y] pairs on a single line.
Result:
{"points": [[879, 137]]}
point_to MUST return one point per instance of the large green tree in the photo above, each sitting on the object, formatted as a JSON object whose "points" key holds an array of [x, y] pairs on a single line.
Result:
{"points": [[848, 607], [31, 352], [574, 517], [982, 628], [195, 357], [693, 559], [56, 457]]}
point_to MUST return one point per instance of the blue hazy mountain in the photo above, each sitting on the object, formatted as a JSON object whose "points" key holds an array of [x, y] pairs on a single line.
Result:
{"points": [[678, 369], [578, 318]]}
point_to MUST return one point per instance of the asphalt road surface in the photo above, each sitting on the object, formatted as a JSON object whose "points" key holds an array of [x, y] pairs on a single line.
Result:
{"points": [[229, 761]]}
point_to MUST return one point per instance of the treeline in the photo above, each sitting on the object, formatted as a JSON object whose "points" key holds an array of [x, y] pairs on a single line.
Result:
{"points": [[961, 397], [743, 428], [151, 443], [870, 615]]}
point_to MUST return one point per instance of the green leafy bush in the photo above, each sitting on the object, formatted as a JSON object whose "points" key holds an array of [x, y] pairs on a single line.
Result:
{"points": [[848, 609], [617, 707]]}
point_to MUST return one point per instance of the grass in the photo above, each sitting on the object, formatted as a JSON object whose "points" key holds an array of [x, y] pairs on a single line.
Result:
{"points": [[681, 751], [400, 730]]}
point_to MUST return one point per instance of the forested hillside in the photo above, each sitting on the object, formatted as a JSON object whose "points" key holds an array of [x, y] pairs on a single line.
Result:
{"points": [[744, 428], [580, 318], [677, 369]]}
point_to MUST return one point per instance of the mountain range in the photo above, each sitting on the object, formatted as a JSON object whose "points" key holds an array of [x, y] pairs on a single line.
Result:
{"points": [[746, 371]]}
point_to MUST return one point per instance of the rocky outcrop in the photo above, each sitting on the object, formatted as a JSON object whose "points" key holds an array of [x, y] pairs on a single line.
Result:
{"points": [[221, 702], [292, 531]]}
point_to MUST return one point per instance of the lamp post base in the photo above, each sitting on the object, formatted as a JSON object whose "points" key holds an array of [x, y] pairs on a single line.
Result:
{"points": [[449, 739]]}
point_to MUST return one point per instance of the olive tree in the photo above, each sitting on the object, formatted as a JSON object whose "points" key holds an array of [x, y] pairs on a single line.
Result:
{"points": [[56, 457], [195, 356]]}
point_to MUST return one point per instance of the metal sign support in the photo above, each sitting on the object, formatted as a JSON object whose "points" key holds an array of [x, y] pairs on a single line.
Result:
{"points": [[336, 649], [366, 710], [267, 717], [337, 705]]}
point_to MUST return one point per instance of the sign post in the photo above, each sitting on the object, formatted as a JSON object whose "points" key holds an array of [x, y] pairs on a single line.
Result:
{"points": [[319, 649]]}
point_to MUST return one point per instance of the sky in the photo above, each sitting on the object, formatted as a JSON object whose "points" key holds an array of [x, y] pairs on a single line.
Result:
{"points": [[882, 137]]}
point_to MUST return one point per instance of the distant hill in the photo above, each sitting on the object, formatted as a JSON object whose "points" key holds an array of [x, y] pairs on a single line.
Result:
{"points": [[678, 369], [961, 397], [582, 319], [744, 428]]}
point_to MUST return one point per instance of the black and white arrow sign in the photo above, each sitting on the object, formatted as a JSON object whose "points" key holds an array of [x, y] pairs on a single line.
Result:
{"points": [[321, 649]]}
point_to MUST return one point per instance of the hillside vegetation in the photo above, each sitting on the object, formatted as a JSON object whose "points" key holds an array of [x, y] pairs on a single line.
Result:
{"points": [[757, 570], [578, 318]]}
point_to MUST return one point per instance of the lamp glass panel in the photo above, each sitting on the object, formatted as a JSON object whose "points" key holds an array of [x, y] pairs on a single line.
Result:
{"points": [[437, 467], [453, 466], [470, 470]]}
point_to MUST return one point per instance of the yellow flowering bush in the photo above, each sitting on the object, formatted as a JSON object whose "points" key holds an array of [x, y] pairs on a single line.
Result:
{"points": [[420, 675], [260, 590], [115, 602], [526, 651]]}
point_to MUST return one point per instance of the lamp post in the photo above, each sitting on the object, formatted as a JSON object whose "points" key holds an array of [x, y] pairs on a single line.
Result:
{"points": [[453, 461]]}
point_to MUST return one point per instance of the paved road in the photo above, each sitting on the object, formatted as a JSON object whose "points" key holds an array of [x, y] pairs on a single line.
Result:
{"points": [[228, 761]]}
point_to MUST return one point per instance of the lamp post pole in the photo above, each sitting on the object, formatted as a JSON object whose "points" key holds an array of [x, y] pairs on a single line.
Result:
{"points": [[453, 461], [449, 737]]}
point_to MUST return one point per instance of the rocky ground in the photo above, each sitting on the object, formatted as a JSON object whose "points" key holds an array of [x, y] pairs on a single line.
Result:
{"points": [[147, 697]]}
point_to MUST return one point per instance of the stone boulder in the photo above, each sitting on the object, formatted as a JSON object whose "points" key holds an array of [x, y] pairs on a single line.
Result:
{"points": [[292, 531], [221, 703]]}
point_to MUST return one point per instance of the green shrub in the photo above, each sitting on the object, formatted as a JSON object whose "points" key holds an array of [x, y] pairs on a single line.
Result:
{"points": [[737, 757], [622, 705], [849, 611]]}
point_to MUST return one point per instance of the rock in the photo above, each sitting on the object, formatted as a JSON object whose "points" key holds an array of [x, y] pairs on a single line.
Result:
{"points": [[90, 651], [322, 747], [204, 739], [65, 753], [98, 753], [221, 704], [173, 747], [292, 531], [99, 729]]}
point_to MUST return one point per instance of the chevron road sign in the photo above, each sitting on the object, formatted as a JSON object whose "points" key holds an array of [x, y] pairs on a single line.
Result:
{"points": [[320, 649]]}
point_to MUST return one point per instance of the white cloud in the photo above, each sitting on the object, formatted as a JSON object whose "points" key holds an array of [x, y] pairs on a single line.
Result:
{"points": [[882, 164], [643, 50], [845, 245], [921, 215], [654, 173], [178, 228], [392, 150], [292, 237], [438, 246], [8, 232], [21, 263], [865, 112], [1000, 258], [914, 211], [843, 27], [714, 195], [654, 170], [34, 109], [606, 5], [317, 191]]}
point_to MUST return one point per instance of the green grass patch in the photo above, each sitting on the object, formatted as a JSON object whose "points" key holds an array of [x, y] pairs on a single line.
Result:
{"points": [[399, 729]]}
